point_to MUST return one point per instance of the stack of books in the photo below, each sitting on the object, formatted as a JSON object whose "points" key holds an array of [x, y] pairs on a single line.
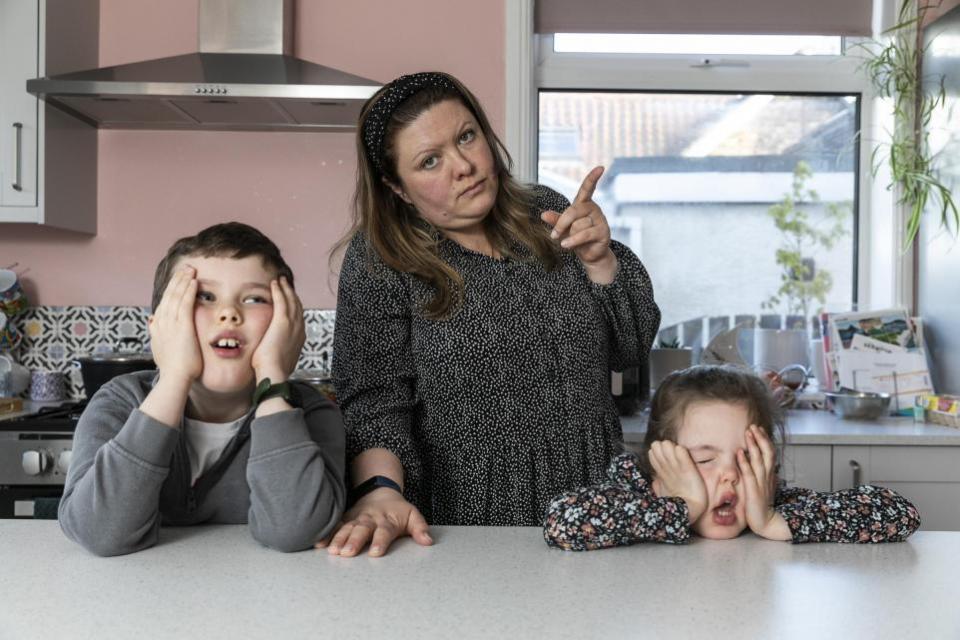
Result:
{"points": [[877, 351]]}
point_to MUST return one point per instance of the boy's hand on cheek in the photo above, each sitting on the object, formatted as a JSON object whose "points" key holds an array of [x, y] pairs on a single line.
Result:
{"points": [[277, 354], [758, 475], [173, 335], [677, 476]]}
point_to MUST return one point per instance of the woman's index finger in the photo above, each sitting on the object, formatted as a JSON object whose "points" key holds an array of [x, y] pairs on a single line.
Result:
{"points": [[589, 185]]}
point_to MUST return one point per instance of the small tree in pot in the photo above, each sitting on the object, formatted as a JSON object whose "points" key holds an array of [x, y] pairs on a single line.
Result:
{"points": [[801, 283]]}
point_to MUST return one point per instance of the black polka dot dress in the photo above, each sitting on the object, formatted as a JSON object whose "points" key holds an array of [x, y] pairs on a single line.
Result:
{"points": [[496, 409]]}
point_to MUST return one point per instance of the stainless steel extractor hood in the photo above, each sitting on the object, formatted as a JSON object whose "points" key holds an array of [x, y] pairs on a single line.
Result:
{"points": [[243, 78]]}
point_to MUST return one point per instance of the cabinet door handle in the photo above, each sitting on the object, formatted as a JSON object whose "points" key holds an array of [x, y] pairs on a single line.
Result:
{"points": [[19, 147], [855, 466]]}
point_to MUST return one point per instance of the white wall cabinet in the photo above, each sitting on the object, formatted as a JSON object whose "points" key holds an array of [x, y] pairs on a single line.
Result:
{"points": [[19, 139], [48, 160], [927, 476]]}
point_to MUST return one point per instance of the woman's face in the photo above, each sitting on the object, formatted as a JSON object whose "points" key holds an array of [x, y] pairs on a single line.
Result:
{"points": [[446, 168], [712, 431]]}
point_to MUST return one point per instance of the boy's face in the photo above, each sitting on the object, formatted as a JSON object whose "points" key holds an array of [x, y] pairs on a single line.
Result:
{"points": [[232, 312], [712, 431]]}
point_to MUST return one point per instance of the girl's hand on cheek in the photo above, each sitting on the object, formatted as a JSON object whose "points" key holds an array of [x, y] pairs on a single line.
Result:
{"points": [[677, 476], [758, 475]]}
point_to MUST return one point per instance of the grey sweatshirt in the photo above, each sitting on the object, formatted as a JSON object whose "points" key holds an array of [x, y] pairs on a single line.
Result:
{"points": [[283, 474]]}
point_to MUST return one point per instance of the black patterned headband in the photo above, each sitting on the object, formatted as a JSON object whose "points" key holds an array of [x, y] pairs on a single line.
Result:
{"points": [[394, 94]]}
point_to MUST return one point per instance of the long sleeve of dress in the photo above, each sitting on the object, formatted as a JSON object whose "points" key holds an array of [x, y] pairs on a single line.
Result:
{"points": [[628, 306], [373, 366], [624, 510], [619, 511], [296, 475], [631, 312], [863, 514]]}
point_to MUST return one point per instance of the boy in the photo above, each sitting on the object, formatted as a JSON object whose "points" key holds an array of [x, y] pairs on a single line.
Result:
{"points": [[218, 435]]}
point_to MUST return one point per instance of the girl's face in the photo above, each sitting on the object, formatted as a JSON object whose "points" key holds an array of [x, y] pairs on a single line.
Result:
{"points": [[712, 431], [446, 168]]}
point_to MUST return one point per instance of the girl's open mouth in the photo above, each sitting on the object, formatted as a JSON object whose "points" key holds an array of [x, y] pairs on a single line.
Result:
{"points": [[725, 513]]}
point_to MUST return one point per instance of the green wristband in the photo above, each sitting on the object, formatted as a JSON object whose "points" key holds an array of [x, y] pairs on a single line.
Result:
{"points": [[266, 389]]}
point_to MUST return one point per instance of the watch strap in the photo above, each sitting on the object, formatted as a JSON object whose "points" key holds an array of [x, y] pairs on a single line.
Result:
{"points": [[372, 483], [267, 389]]}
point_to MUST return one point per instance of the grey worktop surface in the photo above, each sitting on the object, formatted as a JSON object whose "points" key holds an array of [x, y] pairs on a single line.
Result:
{"points": [[810, 426], [803, 427], [476, 582]]}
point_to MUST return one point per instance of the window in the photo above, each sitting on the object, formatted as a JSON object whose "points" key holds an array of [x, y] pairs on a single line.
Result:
{"points": [[697, 160], [710, 44]]}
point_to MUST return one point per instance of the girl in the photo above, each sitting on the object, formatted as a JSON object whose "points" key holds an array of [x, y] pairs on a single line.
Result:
{"points": [[709, 466]]}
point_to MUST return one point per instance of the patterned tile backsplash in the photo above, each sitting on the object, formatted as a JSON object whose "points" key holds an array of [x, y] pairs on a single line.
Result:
{"points": [[54, 336]]}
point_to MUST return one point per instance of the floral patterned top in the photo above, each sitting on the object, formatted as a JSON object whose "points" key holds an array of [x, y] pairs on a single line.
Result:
{"points": [[624, 510]]}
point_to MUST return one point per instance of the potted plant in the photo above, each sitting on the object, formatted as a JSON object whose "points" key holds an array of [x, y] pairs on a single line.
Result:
{"points": [[801, 282], [894, 68], [666, 357]]}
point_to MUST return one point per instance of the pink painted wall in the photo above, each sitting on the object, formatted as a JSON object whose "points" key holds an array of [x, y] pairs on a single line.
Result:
{"points": [[156, 186]]}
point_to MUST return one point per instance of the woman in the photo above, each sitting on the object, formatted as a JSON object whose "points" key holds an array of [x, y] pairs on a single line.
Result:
{"points": [[473, 344]]}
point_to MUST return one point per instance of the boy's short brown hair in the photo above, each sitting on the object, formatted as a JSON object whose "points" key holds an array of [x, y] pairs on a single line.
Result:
{"points": [[228, 239]]}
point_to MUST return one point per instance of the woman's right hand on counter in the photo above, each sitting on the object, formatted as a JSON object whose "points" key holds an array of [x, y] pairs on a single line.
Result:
{"points": [[379, 518]]}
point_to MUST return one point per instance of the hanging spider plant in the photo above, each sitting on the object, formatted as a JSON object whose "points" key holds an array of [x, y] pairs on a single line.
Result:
{"points": [[894, 69]]}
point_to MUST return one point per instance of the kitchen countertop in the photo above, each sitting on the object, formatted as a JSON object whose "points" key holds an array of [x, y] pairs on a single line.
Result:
{"points": [[31, 406], [810, 427], [476, 582]]}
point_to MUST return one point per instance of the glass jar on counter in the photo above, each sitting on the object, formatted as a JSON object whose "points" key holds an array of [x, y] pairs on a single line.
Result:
{"points": [[318, 379]]}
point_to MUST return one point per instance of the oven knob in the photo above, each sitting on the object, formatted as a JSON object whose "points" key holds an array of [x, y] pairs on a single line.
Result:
{"points": [[63, 461], [35, 462]]}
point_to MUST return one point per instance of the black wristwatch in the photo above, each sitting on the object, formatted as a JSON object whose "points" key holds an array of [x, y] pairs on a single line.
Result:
{"points": [[266, 389], [370, 484]]}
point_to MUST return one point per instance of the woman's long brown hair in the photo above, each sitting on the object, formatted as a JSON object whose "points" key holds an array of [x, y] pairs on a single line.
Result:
{"points": [[405, 241]]}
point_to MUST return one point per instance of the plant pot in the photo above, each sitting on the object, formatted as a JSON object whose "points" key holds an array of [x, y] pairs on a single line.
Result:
{"points": [[663, 362], [776, 349]]}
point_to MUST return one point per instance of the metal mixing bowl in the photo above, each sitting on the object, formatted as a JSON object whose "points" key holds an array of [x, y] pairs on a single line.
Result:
{"points": [[859, 404]]}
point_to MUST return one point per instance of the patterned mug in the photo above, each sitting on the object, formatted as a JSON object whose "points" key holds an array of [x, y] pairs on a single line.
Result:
{"points": [[48, 386], [6, 388]]}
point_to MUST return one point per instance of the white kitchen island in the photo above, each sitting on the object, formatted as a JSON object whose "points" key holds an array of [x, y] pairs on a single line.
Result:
{"points": [[476, 582]]}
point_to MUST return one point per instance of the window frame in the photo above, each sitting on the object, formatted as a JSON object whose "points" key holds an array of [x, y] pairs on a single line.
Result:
{"points": [[884, 273]]}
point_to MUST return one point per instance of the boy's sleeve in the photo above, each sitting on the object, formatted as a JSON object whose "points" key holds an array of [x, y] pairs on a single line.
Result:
{"points": [[622, 510], [121, 458], [862, 514], [296, 474]]}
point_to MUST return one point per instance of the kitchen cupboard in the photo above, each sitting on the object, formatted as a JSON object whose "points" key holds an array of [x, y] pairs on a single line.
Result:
{"points": [[19, 22], [927, 476], [48, 160], [808, 466]]}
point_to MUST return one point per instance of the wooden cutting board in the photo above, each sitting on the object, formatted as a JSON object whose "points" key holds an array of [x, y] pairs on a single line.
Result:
{"points": [[10, 405]]}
